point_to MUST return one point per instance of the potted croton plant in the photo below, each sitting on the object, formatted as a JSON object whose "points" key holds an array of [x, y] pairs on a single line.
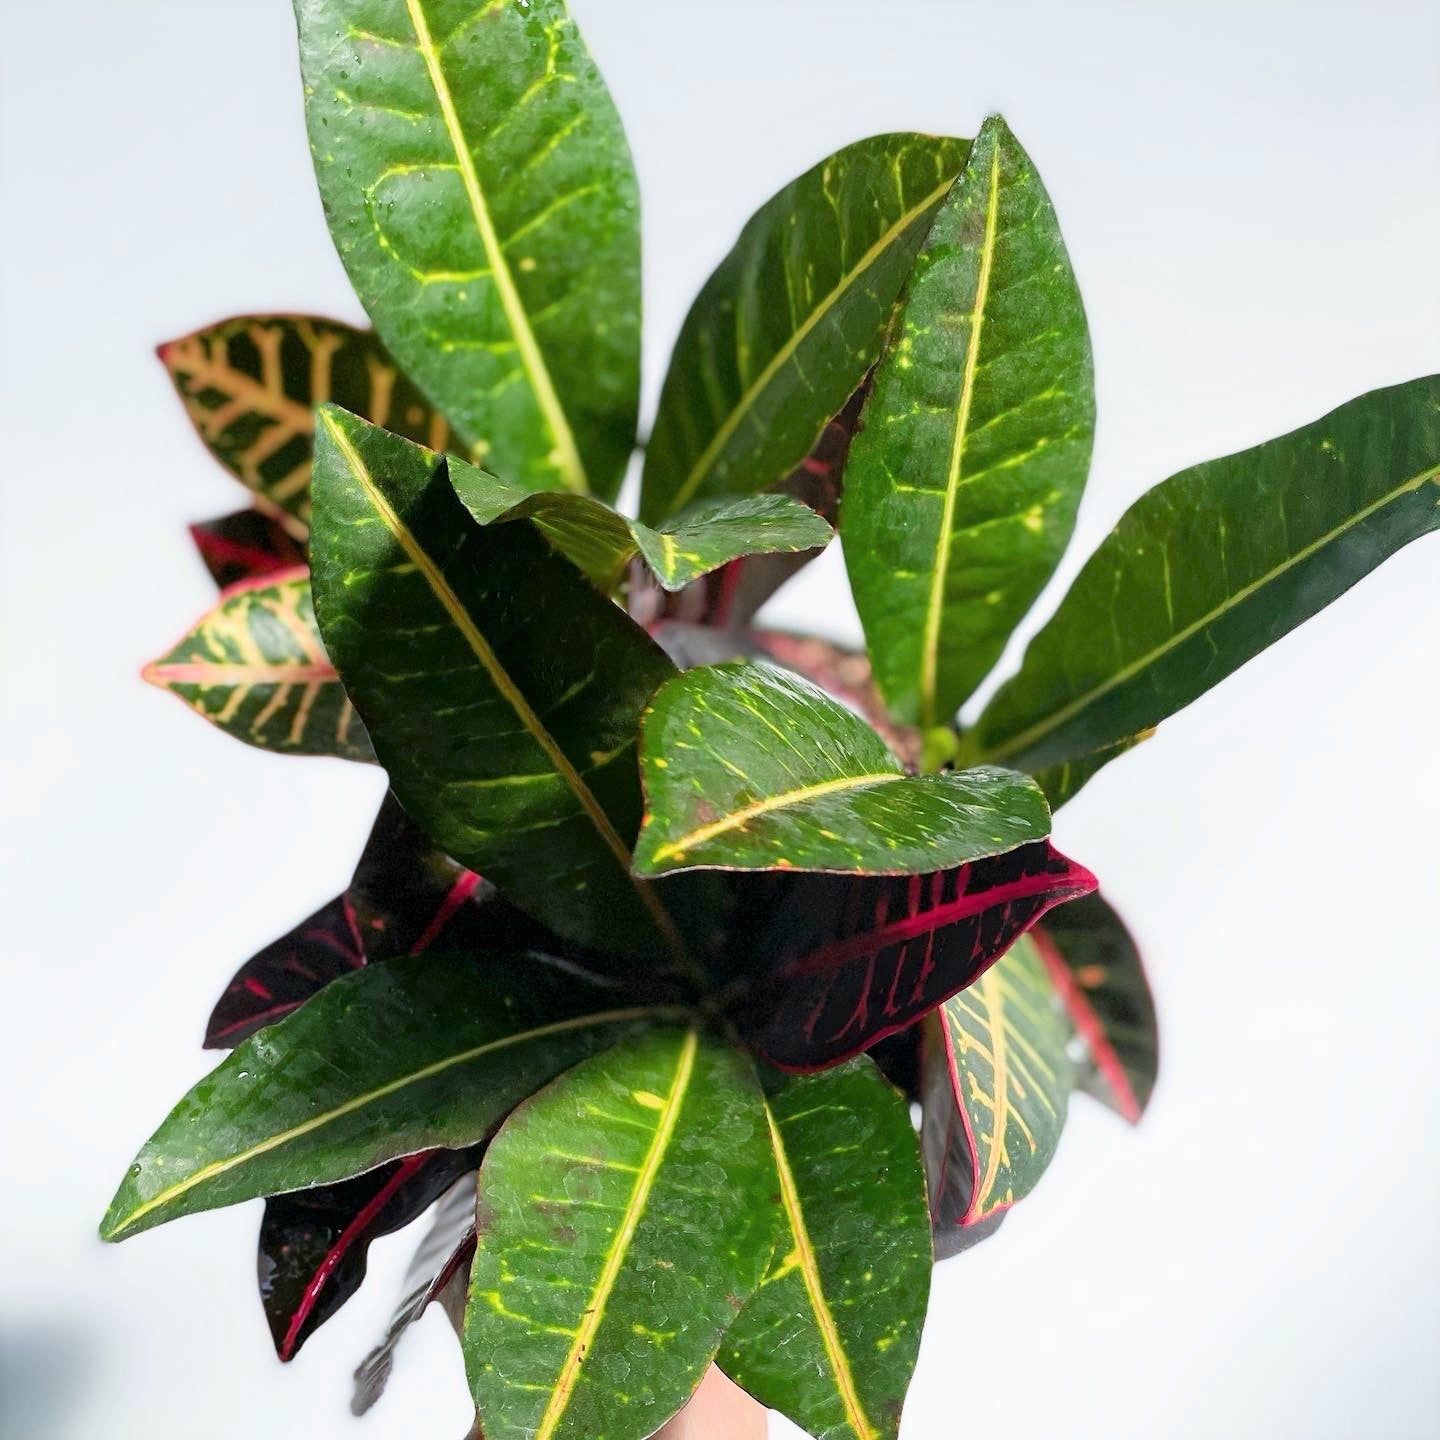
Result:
{"points": [[669, 919]]}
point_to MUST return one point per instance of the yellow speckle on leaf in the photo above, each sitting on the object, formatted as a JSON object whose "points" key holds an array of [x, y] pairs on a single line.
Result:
{"points": [[648, 1098]]}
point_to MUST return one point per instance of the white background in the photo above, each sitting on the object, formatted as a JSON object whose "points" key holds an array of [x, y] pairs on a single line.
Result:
{"points": [[1250, 196]]}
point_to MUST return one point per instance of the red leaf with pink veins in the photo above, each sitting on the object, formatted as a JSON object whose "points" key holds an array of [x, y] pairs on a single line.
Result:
{"points": [[853, 959]]}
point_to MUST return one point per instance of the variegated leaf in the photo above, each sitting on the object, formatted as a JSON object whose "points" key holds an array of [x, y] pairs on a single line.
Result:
{"points": [[314, 1243], [830, 1337], [626, 1215], [250, 386], [245, 545], [997, 1083], [837, 962], [1095, 967], [255, 666]]}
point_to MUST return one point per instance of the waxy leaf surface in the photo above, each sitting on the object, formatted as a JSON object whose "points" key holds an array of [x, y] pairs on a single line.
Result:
{"points": [[751, 767], [314, 1243], [731, 595], [1095, 968], [480, 192], [830, 1337], [441, 1260], [1214, 564], [504, 690], [255, 666], [997, 1084], [962, 485], [626, 1215], [245, 545], [425, 1051], [602, 542], [783, 332], [250, 386], [847, 960]]}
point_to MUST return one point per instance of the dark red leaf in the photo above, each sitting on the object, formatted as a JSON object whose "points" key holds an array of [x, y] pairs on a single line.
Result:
{"points": [[244, 546], [313, 1243], [405, 897], [850, 960]]}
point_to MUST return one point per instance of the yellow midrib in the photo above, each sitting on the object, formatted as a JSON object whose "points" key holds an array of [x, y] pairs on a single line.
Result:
{"points": [[993, 995], [930, 644], [855, 1414], [570, 469], [619, 1246], [740, 818], [1028, 737], [732, 421], [370, 1097], [500, 677]]}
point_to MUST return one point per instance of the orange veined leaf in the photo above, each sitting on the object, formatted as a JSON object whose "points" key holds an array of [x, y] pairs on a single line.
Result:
{"points": [[255, 667], [997, 1076], [250, 386]]}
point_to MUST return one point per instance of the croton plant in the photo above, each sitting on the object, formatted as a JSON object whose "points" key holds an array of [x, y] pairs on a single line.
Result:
{"points": [[668, 921]]}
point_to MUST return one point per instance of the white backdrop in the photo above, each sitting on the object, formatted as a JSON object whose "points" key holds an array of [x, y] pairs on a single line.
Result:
{"points": [[1249, 193]]}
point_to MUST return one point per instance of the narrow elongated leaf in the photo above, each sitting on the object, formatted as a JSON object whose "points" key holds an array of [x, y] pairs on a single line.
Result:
{"points": [[250, 386], [847, 960], [480, 192], [998, 1078], [602, 542], [830, 1337], [443, 1257], [1214, 564], [255, 667], [314, 1243], [626, 1215], [783, 332], [425, 1051], [245, 545], [751, 767], [505, 691], [961, 488], [1095, 967]]}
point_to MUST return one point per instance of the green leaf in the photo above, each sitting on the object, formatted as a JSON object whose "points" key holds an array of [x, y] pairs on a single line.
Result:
{"points": [[962, 485], [250, 386], [1095, 967], [1065, 779], [749, 767], [830, 1337], [480, 191], [427, 1050], [1214, 564], [626, 1214], [783, 332], [997, 1078], [255, 667], [602, 542], [502, 692]]}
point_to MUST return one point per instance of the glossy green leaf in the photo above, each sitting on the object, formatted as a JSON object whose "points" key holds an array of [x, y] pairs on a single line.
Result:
{"points": [[480, 192], [626, 1214], [1065, 779], [750, 767], [250, 386], [502, 692], [602, 542], [1095, 967], [255, 667], [783, 332], [1214, 564], [962, 485], [997, 1077], [830, 1337], [426, 1050]]}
